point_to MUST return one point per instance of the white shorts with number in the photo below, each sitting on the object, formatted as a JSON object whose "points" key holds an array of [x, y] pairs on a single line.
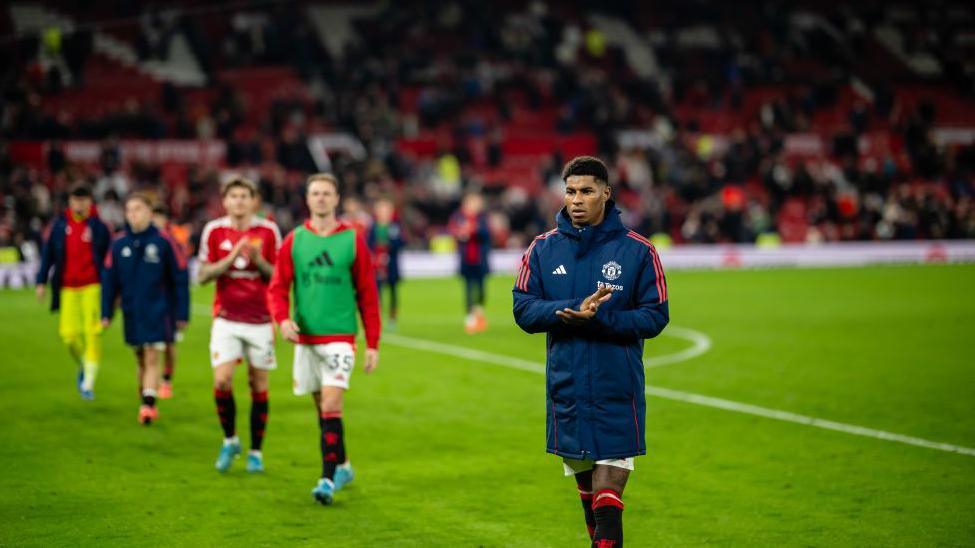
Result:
{"points": [[318, 365], [233, 341], [574, 466]]}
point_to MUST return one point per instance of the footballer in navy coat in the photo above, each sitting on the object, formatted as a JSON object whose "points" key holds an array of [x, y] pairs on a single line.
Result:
{"points": [[596, 404], [597, 290]]}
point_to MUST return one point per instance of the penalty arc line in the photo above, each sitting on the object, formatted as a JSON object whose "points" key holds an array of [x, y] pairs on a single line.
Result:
{"points": [[681, 396], [702, 343]]}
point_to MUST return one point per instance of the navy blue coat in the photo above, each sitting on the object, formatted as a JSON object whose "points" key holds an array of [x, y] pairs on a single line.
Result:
{"points": [[149, 272], [595, 391], [52, 254]]}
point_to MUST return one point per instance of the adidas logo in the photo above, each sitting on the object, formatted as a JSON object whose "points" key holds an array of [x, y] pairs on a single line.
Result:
{"points": [[560, 270], [322, 260]]}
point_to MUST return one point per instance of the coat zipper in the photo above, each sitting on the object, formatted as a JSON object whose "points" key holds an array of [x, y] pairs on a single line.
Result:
{"points": [[589, 370]]}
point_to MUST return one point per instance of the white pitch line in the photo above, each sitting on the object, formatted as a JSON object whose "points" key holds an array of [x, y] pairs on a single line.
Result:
{"points": [[702, 343], [686, 397], [786, 416], [463, 352]]}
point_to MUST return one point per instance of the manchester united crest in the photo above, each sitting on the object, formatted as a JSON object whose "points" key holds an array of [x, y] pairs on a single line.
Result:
{"points": [[612, 270]]}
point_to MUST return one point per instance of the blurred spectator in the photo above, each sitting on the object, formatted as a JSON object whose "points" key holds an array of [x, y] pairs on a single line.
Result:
{"points": [[385, 238], [435, 73], [470, 226]]}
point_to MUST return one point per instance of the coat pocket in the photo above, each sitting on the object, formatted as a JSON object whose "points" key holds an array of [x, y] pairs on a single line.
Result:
{"points": [[612, 378]]}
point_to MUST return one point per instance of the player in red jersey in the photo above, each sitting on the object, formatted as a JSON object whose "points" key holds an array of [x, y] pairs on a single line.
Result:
{"points": [[238, 251]]}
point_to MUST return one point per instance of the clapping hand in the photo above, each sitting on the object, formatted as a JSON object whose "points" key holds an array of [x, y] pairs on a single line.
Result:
{"points": [[590, 305]]}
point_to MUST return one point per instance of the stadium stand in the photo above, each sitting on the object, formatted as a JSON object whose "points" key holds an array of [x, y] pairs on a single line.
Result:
{"points": [[805, 120]]}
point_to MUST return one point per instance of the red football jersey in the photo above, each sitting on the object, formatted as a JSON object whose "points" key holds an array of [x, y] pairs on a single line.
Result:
{"points": [[79, 258], [240, 290]]}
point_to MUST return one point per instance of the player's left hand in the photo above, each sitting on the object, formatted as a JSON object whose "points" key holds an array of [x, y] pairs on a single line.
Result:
{"points": [[575, 317], [372, 360], [180, 325], [106, 322]]}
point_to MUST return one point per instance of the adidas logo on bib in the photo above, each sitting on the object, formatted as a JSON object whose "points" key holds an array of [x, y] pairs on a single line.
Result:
{"points": [[560, 270]]}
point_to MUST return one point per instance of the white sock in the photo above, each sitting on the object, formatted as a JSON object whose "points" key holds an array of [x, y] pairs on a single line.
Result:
{"points": [[91, 371], [231, 441], [254, 452]]}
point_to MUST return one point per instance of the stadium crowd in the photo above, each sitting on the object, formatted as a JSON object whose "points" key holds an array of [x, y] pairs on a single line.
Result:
{"points": [[434, 69]]}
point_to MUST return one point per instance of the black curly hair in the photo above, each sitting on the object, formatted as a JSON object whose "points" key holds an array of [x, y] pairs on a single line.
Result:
{"points": [[586, 165]]}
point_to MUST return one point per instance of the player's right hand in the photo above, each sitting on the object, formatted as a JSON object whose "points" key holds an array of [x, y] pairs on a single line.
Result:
{"points": [[289, 330], [106, 322], [40, 290]]}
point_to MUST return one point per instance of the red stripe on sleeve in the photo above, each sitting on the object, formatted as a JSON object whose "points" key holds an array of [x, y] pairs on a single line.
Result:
{"points": [[526, 271], [657, 266], [279, 289], [366, 292], [526, 267], [661, 279]]}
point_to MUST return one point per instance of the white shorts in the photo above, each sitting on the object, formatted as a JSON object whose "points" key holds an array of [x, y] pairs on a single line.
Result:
{"points": [[318, 365], [574, 466], [233, 341]]}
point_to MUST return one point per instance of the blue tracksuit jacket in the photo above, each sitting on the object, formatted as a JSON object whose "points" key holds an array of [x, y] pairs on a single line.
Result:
{"points": [[53, 252], [596, 404], [149, 272]]}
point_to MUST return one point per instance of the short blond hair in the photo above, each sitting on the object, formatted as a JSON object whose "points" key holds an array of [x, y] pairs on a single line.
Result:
{"points": [[238, 181], [142, 197], [327, 177]]}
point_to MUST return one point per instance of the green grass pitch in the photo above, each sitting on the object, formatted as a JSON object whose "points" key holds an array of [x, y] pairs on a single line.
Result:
{"points": [[450, 451]]}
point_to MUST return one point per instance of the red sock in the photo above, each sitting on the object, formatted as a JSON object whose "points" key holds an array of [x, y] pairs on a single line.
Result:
{"points": [[607, 505], [259, 409], [226, 411], [332, 443]]}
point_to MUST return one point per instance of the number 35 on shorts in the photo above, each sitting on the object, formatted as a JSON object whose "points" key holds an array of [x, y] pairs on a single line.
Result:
{"points": [[318, 365], [336, 361]]}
